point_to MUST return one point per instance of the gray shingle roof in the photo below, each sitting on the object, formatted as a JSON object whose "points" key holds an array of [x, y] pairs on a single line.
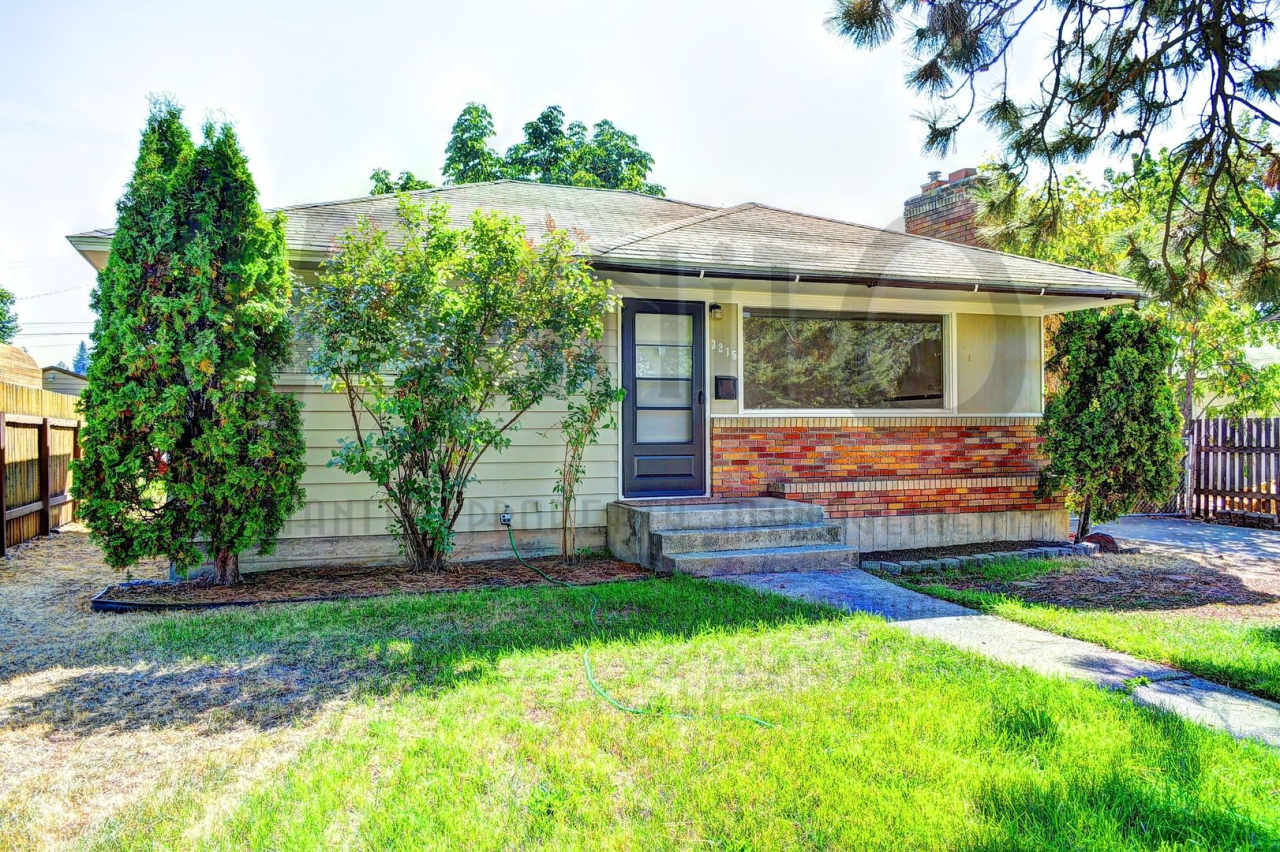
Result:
{"points": [[754, 237], [623, 229], [601, 216]]}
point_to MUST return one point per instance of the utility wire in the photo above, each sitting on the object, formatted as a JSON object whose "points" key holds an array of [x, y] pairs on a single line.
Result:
{"points": [[51, 293]]}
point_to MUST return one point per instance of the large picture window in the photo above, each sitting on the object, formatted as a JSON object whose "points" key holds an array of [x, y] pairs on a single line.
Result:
{"points": [[828, 360]]}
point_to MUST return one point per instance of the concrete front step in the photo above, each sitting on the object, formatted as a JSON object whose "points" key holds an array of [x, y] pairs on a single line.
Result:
{"points": [[739, 512], [634, 525], [711, 563], [668, 542]]}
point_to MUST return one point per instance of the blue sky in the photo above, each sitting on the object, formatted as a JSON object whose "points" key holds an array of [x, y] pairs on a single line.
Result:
{"points": [[737, 101]]}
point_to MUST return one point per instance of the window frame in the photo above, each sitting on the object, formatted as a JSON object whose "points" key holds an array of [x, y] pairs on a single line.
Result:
{"points": [[947, 319]]}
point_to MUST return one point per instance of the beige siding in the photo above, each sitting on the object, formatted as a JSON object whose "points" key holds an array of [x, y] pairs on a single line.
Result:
{"points": [[996, 371], [522, 476], [998, 364], [59, 382], [722, 342]]}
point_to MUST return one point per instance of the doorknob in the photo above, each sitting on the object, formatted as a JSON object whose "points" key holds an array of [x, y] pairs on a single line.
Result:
{"points": [[702, 397]]}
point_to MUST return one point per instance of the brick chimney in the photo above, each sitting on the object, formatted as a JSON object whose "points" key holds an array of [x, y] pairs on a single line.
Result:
{"points": [[945, 208]]}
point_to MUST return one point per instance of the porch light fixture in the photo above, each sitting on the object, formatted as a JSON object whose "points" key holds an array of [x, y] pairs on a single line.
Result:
{"points": [[716, 310]]}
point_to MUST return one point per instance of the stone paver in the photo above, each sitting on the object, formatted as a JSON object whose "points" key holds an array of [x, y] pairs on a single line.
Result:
{"points": [[1217, 706]]}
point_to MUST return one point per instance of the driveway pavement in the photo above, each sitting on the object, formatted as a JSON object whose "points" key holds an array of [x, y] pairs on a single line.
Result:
{"points": [[1199, 538], [1239, 713]]}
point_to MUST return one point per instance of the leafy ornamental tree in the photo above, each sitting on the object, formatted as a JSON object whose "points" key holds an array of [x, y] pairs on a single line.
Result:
{"points": [[186, 447], [382, 183], [1111, 429], [442, 339], [1106, 227], [1117, 74], [80, 364], [550, 152], [8, 317], [1212, 369], [468, 157]]}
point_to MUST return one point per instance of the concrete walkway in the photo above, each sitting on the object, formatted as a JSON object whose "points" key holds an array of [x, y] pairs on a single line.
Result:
{"points": [[1212, 704], [1240, 544]]}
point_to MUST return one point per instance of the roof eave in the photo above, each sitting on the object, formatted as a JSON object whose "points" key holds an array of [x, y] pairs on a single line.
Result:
{"points": [[90, 244], [85, 243], [1132, 293]]}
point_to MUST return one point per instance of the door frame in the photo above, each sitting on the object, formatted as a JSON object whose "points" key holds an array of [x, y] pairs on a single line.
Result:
{"points": [[705, 390]]}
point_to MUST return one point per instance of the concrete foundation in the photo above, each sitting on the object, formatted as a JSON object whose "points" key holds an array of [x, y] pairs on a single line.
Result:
{"points": [[369, 550], [905, 532], [632, 525], [653, 534]]}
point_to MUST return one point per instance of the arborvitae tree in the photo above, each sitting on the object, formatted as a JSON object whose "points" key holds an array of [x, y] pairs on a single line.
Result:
{"points": [[187, 450], [1111, 428]]}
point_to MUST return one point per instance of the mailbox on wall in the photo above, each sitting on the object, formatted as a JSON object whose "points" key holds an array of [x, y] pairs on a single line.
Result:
{"points": [[726, 387]]}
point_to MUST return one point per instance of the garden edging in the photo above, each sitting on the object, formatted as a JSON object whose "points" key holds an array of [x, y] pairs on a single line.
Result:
{"points": [[955, 562]]}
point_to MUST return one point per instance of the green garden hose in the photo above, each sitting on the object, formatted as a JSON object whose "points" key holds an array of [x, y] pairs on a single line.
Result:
{"points": [[586, 660]]}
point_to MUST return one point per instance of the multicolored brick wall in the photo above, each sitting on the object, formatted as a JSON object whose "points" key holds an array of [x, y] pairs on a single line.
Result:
{"points": [[859, 467]]}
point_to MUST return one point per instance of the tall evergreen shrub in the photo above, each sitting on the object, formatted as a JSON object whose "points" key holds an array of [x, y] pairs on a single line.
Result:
{"points": [[1111, 428], [188, 452]]}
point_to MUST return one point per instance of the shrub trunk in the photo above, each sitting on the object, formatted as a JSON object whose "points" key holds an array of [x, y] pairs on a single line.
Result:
{"points": [[226, 568], [423, 552], [1086, 521]]}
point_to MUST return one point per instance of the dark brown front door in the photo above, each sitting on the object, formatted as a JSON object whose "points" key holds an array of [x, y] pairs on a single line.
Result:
{"points": [[664, 412]]}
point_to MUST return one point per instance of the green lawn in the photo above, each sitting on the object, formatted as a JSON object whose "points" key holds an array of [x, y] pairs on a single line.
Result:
{"points": [[466, 720], [1240, 654]]}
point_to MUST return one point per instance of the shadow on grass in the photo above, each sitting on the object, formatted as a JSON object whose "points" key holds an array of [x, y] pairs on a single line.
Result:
{"points": [[1115, 810], [273, 666], [1267, 635], [1172, 804]]}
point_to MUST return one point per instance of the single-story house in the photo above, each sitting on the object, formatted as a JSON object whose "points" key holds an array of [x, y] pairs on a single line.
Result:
{"points": [[61, 380], [887, 384]]}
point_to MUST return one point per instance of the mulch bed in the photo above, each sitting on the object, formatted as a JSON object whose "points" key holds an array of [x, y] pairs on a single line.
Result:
{"points": [[1146, 581], [316, 584], [916, 554]]}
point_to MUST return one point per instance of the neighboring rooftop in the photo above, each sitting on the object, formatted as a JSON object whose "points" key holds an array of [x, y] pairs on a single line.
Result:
{"points": [[621, 229], [71, 374]]}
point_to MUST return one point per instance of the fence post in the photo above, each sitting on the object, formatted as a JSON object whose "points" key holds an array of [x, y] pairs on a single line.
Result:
{"points": [[75, 456], [1270, 462], [44, 461], [1189, 473], [4, 499]]}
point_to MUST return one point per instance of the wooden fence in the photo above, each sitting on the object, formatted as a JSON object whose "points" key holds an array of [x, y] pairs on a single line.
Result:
{"points": [[1234, 469], [39, 436]]}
